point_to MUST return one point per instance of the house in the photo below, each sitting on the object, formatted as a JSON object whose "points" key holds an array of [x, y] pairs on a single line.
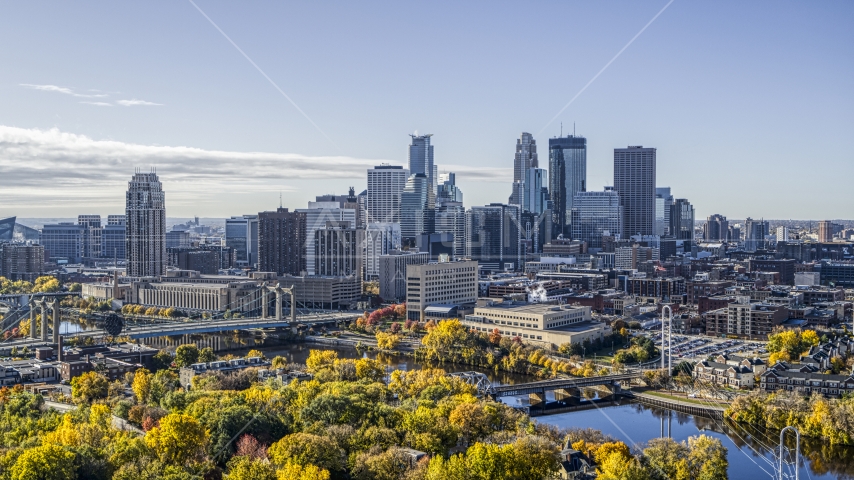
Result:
{"points": [[806, 382], [756, 364], [734, 376], [574, 466]]}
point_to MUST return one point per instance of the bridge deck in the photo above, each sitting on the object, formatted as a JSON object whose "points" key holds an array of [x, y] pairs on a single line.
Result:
{"points": [[549, 385]]}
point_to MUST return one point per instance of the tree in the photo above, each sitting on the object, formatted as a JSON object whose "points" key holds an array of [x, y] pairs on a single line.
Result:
{"points": [[46, 462], [75, 287], [387, 341], [89, 386], [294, 471], [186, 355], [46, 284], [246, 468], [207, 355], [255, 353], [319, 359], [178, 440], [142, 385], [305, 449], [162, 359], [495, 337], [370, 369]]}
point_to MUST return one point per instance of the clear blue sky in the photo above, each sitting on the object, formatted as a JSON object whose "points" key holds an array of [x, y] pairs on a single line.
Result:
{"points": [[750, 104]]}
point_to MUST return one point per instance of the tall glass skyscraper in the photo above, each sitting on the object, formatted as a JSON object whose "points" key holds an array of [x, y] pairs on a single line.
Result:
{"points": [[536, 192], [663, 201], [634, 181], [595, 214], [525, 159], [567, 176], [682, 219], [145, 213], [421, 161], [416, 216]]}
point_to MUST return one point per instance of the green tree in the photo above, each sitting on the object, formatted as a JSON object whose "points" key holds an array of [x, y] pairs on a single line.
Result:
{"points": [[207, 355], [178, 440], [46, 462], [245, 468], [89, 386], [306, 449], [186, 355]]}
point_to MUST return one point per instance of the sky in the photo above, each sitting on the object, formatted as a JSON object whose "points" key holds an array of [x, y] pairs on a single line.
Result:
{"points": [[750, 104]]}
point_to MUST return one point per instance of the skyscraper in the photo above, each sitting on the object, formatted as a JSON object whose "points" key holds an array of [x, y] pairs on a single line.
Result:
{"points": [[113, 238], [595, 214], [338, 250], [385, 184], [416, 216], [421, 161], [494, 236], [91, 235], [316, 217], [526, 158], [663, 201], [825, 231], [281, 242], [448, 191], [535, 197], [716, 229], [682, 219], [241, 234], [145, 214], [380, 239], [754, 234], [567, 176], [634, 181], [451, 218]]}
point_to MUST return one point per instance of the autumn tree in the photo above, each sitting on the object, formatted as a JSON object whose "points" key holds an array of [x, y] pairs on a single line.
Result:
{"points": [[246, 468], [387, 341], [178, 440], [142, 385], [305, 449], [207, 355], [46, 462], [89, 386]]}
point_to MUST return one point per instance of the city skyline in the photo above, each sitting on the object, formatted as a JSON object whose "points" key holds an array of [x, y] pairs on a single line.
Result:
{"points": [[670, 86]]}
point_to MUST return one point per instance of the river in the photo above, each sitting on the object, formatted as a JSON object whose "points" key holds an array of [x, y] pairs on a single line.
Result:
{"points": [[749, 451]]}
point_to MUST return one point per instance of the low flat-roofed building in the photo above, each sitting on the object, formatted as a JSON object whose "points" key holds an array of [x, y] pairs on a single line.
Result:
{"points": [[315, 291], [186, 374], [537, 322], [16, 372]]}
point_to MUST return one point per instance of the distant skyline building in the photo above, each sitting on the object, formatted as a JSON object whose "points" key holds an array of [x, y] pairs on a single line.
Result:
{"points": [[7, 229], [782, 233], [663, 201], [421, 161], [634, 181], [416, 214], [535, 197], [681, 220], [338, 250], [595, 214], [63, 242], [281, 242], [380, 239], [447, 190], [825, 231], [451, 218], [241, 234], [494, 236], [567, 176], [716, 229], [525, 159], [316, 216], [91, 235], [145, 213], [754, 234], [382, 202], [113, 236]]}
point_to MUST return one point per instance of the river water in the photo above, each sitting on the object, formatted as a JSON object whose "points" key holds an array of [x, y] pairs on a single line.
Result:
{"points": [[750, 451]]}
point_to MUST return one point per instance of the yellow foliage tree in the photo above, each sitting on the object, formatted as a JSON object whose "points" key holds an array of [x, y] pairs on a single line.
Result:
{"points": [[178, 440], [387, 341], [142, 385], [320, 359]]}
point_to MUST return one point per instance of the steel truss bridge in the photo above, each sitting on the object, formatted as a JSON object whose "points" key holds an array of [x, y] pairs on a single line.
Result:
{"points": [[485, 387]]}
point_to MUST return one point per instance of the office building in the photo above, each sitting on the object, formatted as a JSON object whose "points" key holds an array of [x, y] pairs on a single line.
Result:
{"points": [[178, 239], [91, 235], [634, 181], [782, 233], [281, 242], [754, 234], [535, 197], [380, 239], [525, 159], [661, 288], [322, 292], [447, 190], [21, 262], [63, 242], [447, 283], [241, 234], [145, 213], [663, 202], [393, 272], [338, 250], [537, 322], [382, 201], [416, 214], [316, 217], [745, 319], [113, 238], [7, 229], [595, 214], [825, 231], [785, 267], [716, 229], [437, 245], [682, 220], [421, 161], [838, 274], [494, 237], [206, 262], [628, 258], [450, 217], [567, 177]]}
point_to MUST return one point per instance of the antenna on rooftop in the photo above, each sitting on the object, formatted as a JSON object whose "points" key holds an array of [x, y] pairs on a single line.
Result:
{"points": [[280, 199], [561, 129], [573, 129]]}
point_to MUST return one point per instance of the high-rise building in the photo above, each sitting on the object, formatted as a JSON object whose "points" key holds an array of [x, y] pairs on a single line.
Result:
{"points": [[362, 203], [567, 176], [447, 190], [113, 236], [682, 220], [439, 284], [316, 216], [416, 214], [281, 242], [535, 198], [754, 234], [7, 229], [63, 242], [628, 258], [716, 229], [241, 234], [21, 262], [91, 235], [663, 201], [782, 233], [451, 218], [421, 161], [385, 184], [494, 236], [634, 181], [525, 159], [825, 231], [393, 272], [595, 214], [145, 212], [380, 239], [338, 250]]}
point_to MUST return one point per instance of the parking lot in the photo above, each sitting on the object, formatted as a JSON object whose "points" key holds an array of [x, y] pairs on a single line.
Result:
{"points": [[691, 347]]}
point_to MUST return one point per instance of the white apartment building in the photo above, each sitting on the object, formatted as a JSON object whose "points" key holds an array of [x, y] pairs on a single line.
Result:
{"points": [[385, 184]]}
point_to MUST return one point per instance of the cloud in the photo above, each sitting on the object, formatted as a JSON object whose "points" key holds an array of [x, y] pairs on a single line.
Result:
{"points": [[135, 102], [65, 90], [50, 169], [100, 104]]}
